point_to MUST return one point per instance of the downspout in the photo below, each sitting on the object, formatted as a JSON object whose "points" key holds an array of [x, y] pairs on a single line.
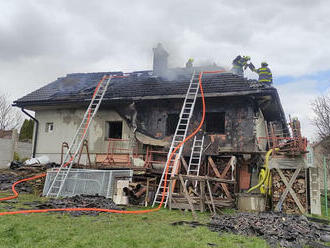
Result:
{"points": [[35, 133]]}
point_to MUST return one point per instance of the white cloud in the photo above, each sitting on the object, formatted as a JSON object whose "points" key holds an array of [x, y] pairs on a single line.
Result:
{"points": [[296, 98], [42, 40]]}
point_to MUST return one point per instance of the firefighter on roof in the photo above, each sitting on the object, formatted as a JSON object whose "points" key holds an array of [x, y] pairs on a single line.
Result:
{"points": [[240, 64], [265, 74]]}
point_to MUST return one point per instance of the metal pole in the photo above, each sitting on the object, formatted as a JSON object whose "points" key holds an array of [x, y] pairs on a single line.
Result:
{"points": [[325, 186]]}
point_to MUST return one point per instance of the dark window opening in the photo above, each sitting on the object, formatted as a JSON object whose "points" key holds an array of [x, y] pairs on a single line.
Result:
{"points": [[171, 123], [215, 122], [115, 129]]}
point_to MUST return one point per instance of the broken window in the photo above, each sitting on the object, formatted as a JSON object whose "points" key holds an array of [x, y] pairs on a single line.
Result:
{"points": [[215, 122], [171, 123], [115, 129], [49, 127]]}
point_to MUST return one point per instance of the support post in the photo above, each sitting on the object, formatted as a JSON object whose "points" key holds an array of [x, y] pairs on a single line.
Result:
{"points": [[325, 185], [170, 194], [202, 195]]}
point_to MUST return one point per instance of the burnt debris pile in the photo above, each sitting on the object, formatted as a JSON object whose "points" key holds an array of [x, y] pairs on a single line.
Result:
{"points": [[79, 201], [275, 228], [7, 180]]}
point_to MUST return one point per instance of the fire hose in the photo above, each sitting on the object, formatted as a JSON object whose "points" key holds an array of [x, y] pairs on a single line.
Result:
{"points": [[265, 178], [16, 194]]}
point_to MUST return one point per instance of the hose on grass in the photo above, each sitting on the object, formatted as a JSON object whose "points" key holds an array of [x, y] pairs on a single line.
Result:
{"points": [[16, 194]]}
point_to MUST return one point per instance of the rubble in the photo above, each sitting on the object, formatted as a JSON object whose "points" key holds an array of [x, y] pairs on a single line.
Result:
{"points": [[8, 177], [78, 201], [7, 180], [276, 228]]}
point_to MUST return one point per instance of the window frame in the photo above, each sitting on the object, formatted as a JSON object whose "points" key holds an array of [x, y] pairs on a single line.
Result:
{"points": [[108, 132], [49, 128], [213, 129]]}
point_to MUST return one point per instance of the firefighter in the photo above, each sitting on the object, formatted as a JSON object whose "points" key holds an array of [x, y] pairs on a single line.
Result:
{"points": [[189, 63], [265, 74], [240, 64]]}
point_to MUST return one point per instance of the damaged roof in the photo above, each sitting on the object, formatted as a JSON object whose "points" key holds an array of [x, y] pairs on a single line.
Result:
{"points": [[79, 87], [140, 85]]}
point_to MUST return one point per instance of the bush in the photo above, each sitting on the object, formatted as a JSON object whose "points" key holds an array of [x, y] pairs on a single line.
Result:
{"points": [[16, 156]]}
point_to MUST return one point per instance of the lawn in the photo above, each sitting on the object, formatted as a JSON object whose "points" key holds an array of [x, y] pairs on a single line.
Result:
{"points": [[111, 230]]}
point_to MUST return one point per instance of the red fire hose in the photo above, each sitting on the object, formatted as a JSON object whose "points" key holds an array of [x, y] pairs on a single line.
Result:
{"points": [[112, 210]]}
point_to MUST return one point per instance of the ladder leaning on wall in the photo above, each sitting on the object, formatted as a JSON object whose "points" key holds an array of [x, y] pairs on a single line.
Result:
{"points": [[179, 136], [195, 159], [74, 148]]}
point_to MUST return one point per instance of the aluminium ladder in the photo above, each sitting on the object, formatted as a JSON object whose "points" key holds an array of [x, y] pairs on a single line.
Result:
{"points": [[179, 136], [74, 148], [195, 159]]}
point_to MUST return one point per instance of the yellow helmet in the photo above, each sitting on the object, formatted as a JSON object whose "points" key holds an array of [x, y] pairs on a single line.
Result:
{"points": [[247, 57]]}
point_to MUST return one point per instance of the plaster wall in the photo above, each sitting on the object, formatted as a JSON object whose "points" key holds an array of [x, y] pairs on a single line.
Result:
{"points": [[6, 152], [65, 123]]}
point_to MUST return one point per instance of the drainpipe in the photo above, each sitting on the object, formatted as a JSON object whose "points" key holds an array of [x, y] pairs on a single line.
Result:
{"points": [[35, 133]]}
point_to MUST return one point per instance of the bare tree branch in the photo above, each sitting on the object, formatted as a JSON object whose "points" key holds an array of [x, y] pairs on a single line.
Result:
{"points": [[10, 118]]}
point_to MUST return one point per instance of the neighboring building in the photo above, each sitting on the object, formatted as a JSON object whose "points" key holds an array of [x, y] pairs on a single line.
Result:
{"points": [[321, 150]]}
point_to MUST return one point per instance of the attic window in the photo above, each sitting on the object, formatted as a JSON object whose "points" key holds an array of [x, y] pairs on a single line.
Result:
{"points": [[114, 129], [215, 122], [49, 127], [171, 123]]}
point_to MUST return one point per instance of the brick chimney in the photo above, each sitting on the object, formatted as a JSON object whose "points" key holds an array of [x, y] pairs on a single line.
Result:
{"points": [[160, 61]]}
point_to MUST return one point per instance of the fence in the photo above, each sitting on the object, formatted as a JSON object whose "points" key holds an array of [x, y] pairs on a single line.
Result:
{"points": [[91, 182], [9, 144]]}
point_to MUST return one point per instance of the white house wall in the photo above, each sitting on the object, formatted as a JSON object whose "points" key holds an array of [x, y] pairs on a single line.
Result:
{"points": [[66, 123]]}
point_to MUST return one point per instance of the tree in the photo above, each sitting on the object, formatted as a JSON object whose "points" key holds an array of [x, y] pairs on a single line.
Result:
{"points": [[10, 118], [321, 109], [26, 130]]}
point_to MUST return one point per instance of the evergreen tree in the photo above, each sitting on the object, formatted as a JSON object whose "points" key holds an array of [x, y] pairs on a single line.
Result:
{"points": [[26, 130]]}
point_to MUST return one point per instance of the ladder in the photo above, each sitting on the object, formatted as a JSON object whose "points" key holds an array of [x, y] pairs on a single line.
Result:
{"points": [[179, 135], [75, 145], [195, 159]]}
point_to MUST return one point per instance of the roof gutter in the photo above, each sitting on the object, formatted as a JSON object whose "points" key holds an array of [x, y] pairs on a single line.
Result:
{"points": [[35, 133]]}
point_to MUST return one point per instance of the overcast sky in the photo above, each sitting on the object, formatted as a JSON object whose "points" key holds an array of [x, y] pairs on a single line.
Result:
{"points": [[42, 40]]}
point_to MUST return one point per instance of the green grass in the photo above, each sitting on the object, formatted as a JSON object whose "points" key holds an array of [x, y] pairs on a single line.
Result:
{"points": [[111, 230], [323, 210]]}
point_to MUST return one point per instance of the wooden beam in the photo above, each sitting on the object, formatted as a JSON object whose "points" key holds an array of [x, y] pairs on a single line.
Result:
{"points": [[170, 194], [204, 178], [202, 195], [214, 167], [211, 196], [187, 197], [217, 173], [184, 163]]}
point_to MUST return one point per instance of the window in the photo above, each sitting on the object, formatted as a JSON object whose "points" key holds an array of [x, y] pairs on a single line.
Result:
{"points": [[49, 127], [115, 129], [171, 123], [215, 122]]}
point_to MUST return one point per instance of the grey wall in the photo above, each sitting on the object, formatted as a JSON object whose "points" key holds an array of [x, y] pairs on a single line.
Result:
{"points": [[24, 149], [10, 145], [66, 122], [6, 152]]}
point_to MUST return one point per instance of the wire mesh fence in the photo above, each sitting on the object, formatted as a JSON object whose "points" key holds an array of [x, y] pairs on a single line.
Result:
{"points": [[85, 181]]}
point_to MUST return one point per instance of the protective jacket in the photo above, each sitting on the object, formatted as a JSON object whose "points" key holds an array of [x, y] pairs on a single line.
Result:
{"points": [[240, 62], [265, 75]]}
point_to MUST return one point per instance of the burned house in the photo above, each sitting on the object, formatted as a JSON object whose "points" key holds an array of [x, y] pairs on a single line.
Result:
{"points": [[135, 123]]}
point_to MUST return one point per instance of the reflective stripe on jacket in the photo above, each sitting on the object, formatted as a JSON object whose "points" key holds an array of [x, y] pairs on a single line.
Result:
{"points": [[265, 75], [240, 62]]}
